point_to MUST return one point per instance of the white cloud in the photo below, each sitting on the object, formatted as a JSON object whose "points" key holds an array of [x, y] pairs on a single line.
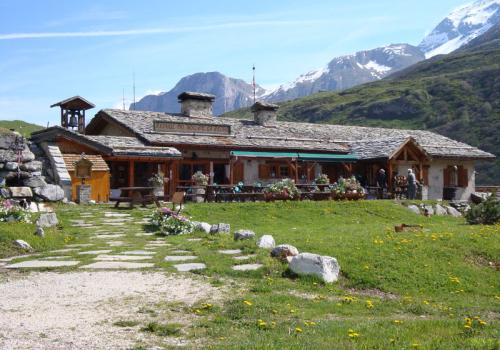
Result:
{"points": [[161, 30]]}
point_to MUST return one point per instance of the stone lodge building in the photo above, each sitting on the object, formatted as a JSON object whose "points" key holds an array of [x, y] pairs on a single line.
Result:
{"points": [[128, 147]]}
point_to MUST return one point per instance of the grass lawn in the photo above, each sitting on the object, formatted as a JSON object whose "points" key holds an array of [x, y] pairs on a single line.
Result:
{"points": [[437, 288], [398, 290]]}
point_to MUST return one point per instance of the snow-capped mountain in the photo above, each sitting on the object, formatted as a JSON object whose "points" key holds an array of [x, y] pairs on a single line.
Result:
{"points": [[461, 26], [351, 70]]}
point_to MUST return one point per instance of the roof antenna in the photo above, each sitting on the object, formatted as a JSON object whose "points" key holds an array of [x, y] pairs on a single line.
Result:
{"points": [[253, 83], [133, 88]]}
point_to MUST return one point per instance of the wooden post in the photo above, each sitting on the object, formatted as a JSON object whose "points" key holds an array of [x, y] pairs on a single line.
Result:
{"points": [[389, 176], [211, 173], [131, 173], [296, 171], [231, 172]]}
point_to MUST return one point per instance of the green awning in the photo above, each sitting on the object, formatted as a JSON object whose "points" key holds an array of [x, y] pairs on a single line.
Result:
{"points": [[313, 157], [251, 154], [319, 157]]}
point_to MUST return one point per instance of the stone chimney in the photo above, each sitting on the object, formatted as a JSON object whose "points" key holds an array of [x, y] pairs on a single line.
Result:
{"points": [[264, 113], [196, 105]]}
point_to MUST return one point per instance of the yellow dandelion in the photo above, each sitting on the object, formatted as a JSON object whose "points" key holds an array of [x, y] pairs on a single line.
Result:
{"points": [[482, 323], [397, 321], [298, 330], [415, 345], [248, 303]]}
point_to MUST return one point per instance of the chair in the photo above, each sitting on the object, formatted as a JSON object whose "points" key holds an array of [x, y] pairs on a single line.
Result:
{"points": [[178, 198]]}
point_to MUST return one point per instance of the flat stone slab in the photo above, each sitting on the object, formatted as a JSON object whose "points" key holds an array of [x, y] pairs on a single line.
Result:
{"points": [[230, 251], [113, 223], [65, 250], [79, 245], [194, 239], [109, 214], [247, 267], [243, 257], [115, 243], [42, 263], [138, 252], [190, 267], [18, 257], [180, 251], [143, 234], [94, 252], [56, 257], [118, 235], [180, 257], [120, 257], [83, 225], [116, 265]]}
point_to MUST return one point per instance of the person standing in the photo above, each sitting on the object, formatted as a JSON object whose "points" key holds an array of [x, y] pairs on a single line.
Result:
{"points": [[381, 183], [412, 185]]}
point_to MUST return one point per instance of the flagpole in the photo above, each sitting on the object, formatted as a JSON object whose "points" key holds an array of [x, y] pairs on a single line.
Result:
{"points": [[253, 68]]}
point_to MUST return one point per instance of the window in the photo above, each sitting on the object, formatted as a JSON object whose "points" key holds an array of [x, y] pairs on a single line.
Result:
{"points": [[455, 176]]}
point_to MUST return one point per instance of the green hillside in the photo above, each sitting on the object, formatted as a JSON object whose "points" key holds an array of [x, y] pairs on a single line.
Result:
{"points": [[20, 126], [457, 95]]}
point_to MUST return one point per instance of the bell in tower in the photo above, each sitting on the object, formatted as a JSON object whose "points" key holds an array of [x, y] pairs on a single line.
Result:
{"points": [[73, 112]]}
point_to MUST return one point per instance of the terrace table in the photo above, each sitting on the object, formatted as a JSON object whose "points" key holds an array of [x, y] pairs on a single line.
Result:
{"points": [[136, 195]]}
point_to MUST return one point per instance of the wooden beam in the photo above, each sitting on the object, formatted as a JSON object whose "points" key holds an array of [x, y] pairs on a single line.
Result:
{"points": [[389, 176], [211, 173], [131, 173], [231, 172]]}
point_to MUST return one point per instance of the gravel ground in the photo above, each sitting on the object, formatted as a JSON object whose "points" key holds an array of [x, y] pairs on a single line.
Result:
{"points": [[76, 310]]}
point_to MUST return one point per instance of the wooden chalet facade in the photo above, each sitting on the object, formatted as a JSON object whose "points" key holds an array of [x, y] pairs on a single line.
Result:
{"points": [[137, 144]]}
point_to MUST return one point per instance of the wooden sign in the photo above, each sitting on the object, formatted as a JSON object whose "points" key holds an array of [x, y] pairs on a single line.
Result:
{"points": [[190, 128], [83, 168]]}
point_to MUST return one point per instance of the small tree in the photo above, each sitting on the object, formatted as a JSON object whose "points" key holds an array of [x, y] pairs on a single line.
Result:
{"points": [[486, 213]]}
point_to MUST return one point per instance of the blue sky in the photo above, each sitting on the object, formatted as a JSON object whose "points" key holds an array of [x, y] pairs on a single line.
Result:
{"points": [[51, 50]]}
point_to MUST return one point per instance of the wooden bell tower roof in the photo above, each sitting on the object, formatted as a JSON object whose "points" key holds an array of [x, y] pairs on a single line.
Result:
{"points": [[74, 103]]}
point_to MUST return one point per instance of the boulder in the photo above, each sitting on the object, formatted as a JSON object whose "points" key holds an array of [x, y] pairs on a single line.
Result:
{"points": [[439, 210], [266, 242], [428, 210], [414, 209], [202, 226], [40, 232], [324, 267], [47, 220], [23, 245], [11, 166], [283, 251], [220, 228], [35, 181], [33, 207], [50, 193], [453, 212], [32, 166], [7, 140], [19, 192], [244, 234]]}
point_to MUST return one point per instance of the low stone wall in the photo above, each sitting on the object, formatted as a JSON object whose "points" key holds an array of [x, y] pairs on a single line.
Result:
{"points": [[21, 171]]}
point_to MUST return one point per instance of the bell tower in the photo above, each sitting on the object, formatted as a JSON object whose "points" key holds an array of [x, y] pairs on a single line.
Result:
{"points": [[73, 112]]}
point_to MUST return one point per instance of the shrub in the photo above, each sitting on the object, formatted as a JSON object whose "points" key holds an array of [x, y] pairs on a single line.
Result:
{"points": [[486, 213], [322, 179], [10, 211], [285, 188], [200, 179], [171, 223]]}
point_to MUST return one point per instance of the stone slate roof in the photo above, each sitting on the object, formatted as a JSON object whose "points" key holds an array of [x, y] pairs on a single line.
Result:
{"points": [[367, 142], [98, 164]]}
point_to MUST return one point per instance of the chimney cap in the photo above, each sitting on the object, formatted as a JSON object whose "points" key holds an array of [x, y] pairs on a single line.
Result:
{"points": [[263, 106], [189, 95]]}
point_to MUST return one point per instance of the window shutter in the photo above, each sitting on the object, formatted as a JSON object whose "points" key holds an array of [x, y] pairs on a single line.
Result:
{"points": [[463, 178], [446, 177], [425, 175], [263, 171]]}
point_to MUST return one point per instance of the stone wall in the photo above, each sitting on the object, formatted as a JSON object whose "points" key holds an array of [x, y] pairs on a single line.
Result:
{"points": [[22, 172]]}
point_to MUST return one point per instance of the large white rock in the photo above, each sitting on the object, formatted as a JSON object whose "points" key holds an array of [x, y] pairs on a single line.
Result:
{"points": [[414, 209], [453, 212], [244, 234], [51, 193], [324, 267], [23, 244], [18, 192], [266, 242], [47, 220], [439, 210], [220, 228], [202, 226]]}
